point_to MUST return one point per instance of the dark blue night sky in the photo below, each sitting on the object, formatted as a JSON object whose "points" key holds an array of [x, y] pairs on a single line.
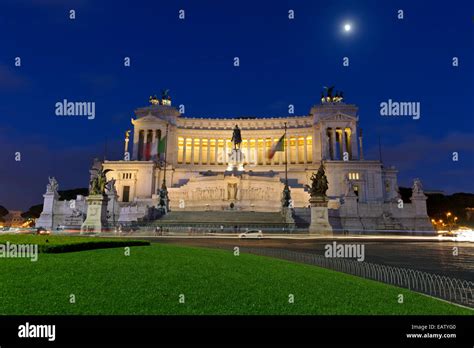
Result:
{"points": [[282, 62]]}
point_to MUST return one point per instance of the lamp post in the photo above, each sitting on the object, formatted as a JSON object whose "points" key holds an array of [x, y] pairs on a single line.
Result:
{"points": [[286, 190], [450, 220], [164, 199]]}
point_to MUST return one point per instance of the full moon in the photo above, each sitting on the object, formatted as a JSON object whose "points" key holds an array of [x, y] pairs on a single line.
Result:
{"points": [[347, 27]]}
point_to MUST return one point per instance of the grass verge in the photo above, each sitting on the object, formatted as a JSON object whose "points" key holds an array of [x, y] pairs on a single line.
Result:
{"points": [[152, 279]]}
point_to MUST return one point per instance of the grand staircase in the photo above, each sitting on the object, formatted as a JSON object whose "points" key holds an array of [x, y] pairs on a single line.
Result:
{"points": [[216, 219]]}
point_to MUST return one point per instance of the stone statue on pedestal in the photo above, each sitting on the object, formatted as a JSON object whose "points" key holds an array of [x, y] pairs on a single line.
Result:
{"points": [[52, 187], [236, 157], [51, 197], [164, 199], [96, 166], [96, 218], [110, 187], [98, 184], [418, 200], [236, 137], [127, 140], [319, 203], [231, 191], [417, 188], [319, 184]]}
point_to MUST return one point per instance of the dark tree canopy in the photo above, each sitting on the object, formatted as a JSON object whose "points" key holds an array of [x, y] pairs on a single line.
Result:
{"points": [[3, 211], [439, 204], [71, 194], [35, 210], [33, 213]]}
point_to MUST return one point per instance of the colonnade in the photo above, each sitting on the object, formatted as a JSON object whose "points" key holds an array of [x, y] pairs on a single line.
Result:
{"points": [[148, 140], [212, 151], [340, 141]]}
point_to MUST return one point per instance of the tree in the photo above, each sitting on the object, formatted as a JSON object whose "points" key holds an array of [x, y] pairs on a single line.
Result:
{"points": [[71, 194], [33, 213], [3, 212]]}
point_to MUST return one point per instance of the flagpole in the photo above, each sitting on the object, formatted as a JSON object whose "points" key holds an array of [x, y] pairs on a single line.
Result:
{"points": [[286, 158], [164, 199], [285, 201], [380, 152], [166, 150]]}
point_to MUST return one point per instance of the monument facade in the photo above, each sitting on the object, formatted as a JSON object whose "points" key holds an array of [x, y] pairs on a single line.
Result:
{"points": [[257, 164]]}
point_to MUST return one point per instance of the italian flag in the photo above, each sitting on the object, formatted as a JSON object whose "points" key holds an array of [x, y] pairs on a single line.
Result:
{"points": [[278, 146], [161, 147], [147, 151]]}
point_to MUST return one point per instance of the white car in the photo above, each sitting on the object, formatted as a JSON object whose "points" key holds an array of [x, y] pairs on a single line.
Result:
{"points": [[464, 236], [252, 234]]}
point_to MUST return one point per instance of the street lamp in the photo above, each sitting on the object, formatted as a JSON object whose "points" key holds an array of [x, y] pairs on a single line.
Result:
{"points": [[450, 222]]}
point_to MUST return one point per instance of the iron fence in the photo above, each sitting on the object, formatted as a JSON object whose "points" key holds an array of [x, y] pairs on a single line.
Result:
{"points": [[449, 289]]}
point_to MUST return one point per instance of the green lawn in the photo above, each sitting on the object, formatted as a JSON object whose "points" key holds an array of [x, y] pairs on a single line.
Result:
{"points": [[151, 279]]}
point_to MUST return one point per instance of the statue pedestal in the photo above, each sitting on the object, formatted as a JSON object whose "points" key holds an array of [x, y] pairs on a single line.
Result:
{"points": [[113, 208], [96, 218], [319, 217], [46, 218], [235, 161]]}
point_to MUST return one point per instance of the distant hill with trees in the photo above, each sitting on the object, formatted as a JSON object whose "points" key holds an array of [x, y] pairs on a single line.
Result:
{"points": [[439, 204], [3, 212], [35, 210]]}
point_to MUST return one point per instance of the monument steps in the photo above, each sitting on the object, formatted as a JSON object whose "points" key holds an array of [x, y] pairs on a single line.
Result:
{"points": [[302, 217], [222, 217]]}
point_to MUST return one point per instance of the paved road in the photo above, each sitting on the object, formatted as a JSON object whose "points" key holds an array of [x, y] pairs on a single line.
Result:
{"points": [[429, 256]]}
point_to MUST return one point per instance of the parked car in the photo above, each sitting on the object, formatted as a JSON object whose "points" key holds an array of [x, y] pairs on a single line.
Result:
{"points": [[43, 231], [258, 234], [464, 235]]}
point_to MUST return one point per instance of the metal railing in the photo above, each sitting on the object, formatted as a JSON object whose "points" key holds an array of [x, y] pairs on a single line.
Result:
{"points": [[267, 229], [446, 288]]}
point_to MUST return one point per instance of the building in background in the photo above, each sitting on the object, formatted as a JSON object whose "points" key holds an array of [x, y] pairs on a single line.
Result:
{"points": [[194, 156]]}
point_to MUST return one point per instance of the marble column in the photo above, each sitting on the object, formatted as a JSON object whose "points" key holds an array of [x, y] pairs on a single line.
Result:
{"points": [[319, 144], [224, 155], [355, 152], [333, 141], [208, 161], [281, 155], [141, 144], [297, 148], [305, 150], [145, 143], [153, 137], [135, 144], [149, 142], [343, 142], [264, 160], [200, 151], [255, 152], [184, 150]]}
